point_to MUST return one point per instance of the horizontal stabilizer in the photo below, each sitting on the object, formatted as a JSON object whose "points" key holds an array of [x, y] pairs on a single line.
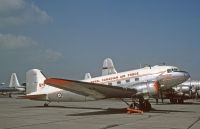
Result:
{"points": [[33, 97]]}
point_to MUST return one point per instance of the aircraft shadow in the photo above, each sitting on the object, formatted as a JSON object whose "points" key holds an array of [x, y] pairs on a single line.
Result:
{"points": [[165, 111], [120, 111], [185, 103], [68, 107], [102, 112]]}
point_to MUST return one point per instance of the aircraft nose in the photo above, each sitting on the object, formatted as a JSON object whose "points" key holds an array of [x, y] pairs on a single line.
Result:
{"points": [[186, 75]]}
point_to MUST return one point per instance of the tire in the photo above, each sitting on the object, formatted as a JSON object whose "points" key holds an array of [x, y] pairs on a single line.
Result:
{"points": [[46, 105], [145, 106]]}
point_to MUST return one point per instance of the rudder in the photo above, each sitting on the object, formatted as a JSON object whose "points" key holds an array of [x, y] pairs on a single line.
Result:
{"points": [[14, 81], [108, 67], [34, 81]]}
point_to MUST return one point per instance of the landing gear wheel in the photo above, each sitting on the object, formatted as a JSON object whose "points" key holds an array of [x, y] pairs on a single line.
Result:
{"points": [[180, 101], [147, 106], [144, 105], [10, 95], [173, 101], [46, 105], [197, 95], [156, 100]]}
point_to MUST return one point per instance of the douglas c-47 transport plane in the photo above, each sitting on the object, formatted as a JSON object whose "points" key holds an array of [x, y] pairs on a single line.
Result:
{"points": [[137, 84]]}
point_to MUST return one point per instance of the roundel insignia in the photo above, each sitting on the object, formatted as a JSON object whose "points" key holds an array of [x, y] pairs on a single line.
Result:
{"points": [[59, 95]]}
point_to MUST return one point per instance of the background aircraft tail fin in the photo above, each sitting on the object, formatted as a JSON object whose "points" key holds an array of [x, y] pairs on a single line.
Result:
{"points": [[34, 81], [108, 67], [14, 81], [88, 76]]}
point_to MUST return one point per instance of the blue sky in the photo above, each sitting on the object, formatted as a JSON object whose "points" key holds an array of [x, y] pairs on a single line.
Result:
{"points": [[68, 38]]}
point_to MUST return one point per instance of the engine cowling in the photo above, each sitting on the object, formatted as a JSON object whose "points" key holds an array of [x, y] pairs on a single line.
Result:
{"points": [[153, 88], [148, 88]]}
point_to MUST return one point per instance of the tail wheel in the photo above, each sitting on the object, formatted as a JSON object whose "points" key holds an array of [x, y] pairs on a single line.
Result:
{"points": [[46, 105]]}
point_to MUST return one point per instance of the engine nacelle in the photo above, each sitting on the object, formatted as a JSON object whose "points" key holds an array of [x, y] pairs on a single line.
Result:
{"points": [[148, 88], [153, 88]]}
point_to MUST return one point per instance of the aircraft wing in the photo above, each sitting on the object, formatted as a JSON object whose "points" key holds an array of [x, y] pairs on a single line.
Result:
{"points": [[8, 89], [97, 91]]}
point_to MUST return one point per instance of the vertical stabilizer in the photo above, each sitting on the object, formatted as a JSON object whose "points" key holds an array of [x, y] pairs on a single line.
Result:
{"points": [[87, 76], [34, 81], [108, 67], [14, 81]]}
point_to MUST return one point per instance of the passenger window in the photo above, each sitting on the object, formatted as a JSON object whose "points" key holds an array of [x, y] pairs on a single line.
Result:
{"points": [[127, 81], [136, 79], [110, 84], [175, 70], [118, 82]]}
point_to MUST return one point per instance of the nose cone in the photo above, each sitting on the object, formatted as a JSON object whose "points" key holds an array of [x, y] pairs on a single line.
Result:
{"points": [[182, 76], [172, 79], [187, 75]]}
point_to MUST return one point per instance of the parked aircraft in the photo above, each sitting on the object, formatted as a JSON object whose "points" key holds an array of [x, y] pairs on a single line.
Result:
{"points": [[14, 86], [2, 84], [187, 90], [140, 83]]}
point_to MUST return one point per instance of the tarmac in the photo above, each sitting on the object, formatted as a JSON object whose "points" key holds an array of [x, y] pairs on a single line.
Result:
{"points": [[103, 114]]}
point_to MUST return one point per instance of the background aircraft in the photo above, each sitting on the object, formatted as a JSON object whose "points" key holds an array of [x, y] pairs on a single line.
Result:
{"points": [[187, 90], [14, 86]]}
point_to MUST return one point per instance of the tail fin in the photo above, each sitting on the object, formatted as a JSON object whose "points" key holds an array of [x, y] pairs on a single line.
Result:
{"points": [[34, 81], [88, 76], [108, 67], [14, 81]]}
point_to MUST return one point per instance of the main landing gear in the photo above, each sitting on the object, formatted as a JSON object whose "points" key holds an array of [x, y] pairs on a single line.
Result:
{"points": [[139, 105], [46, 104], [144, 104], [175, 101]]}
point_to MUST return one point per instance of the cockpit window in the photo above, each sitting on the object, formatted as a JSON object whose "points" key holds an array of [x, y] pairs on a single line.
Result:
{"points": [[175, 70], [172, 70], [169, 70]]}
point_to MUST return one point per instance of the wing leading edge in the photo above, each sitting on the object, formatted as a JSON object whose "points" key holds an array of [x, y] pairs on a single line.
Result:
{"points": [[97, 91], [33, 97]]}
